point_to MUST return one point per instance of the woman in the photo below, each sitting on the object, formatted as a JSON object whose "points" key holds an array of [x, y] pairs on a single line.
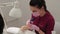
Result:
{"points": [[42, 21], [1, 24]]}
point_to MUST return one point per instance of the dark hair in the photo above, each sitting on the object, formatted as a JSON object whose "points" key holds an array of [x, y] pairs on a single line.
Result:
{"points": [[1, 24], [38, 3]]}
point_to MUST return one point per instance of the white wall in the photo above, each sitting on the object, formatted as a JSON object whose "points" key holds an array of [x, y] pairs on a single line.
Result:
{"points": [[54, 8], [10, 21]]}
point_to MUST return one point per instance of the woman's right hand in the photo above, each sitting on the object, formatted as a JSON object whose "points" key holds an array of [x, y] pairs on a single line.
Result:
{"points": [[32, 26]]}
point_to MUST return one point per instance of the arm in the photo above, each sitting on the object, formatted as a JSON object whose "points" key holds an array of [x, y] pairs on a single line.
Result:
{"points": [[50, 26], [41, 32], [34, 27]]}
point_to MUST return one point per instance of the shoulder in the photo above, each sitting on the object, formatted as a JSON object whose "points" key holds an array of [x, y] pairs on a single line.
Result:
{"points": [[50, 18]]}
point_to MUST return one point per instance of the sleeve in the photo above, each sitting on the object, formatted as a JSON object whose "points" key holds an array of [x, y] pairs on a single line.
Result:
{"points": [[28, 21], [50, 26]]}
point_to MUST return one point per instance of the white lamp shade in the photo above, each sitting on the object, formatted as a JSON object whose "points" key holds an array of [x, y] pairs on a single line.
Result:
{"points": [[15, 12]]}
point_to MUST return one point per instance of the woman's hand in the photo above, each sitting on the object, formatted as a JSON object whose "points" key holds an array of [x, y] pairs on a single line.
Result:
{"points": [[32, 26]]}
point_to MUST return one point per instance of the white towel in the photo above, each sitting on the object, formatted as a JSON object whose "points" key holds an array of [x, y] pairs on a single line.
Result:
{"points": [[15, 30]]}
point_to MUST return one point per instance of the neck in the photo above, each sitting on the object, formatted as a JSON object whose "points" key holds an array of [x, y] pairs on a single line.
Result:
{"points": [[43, 13]]}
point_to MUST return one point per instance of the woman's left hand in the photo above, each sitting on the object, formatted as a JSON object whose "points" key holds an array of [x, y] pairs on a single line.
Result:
{"points": [[34, 27]]}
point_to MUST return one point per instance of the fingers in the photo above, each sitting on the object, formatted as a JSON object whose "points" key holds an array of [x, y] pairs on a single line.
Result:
{"points": [[28, 22], [34, 27], [23, 28]]}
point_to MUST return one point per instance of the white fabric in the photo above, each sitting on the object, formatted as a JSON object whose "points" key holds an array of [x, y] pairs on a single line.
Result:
{"points": [[15, 30], [53, 32], [29, 32]]}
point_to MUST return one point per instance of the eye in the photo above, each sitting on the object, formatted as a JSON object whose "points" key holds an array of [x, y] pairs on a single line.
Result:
{"points": [[34, 11]]}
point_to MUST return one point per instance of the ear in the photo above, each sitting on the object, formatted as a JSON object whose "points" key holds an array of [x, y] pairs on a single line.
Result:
{"points": [[42, 7]]}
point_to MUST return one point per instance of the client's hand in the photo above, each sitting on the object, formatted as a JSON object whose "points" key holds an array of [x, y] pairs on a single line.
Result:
{"points": [[23, 28]]}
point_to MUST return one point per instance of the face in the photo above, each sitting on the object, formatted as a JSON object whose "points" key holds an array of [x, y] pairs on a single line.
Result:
{"points": [[35, 9]]}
